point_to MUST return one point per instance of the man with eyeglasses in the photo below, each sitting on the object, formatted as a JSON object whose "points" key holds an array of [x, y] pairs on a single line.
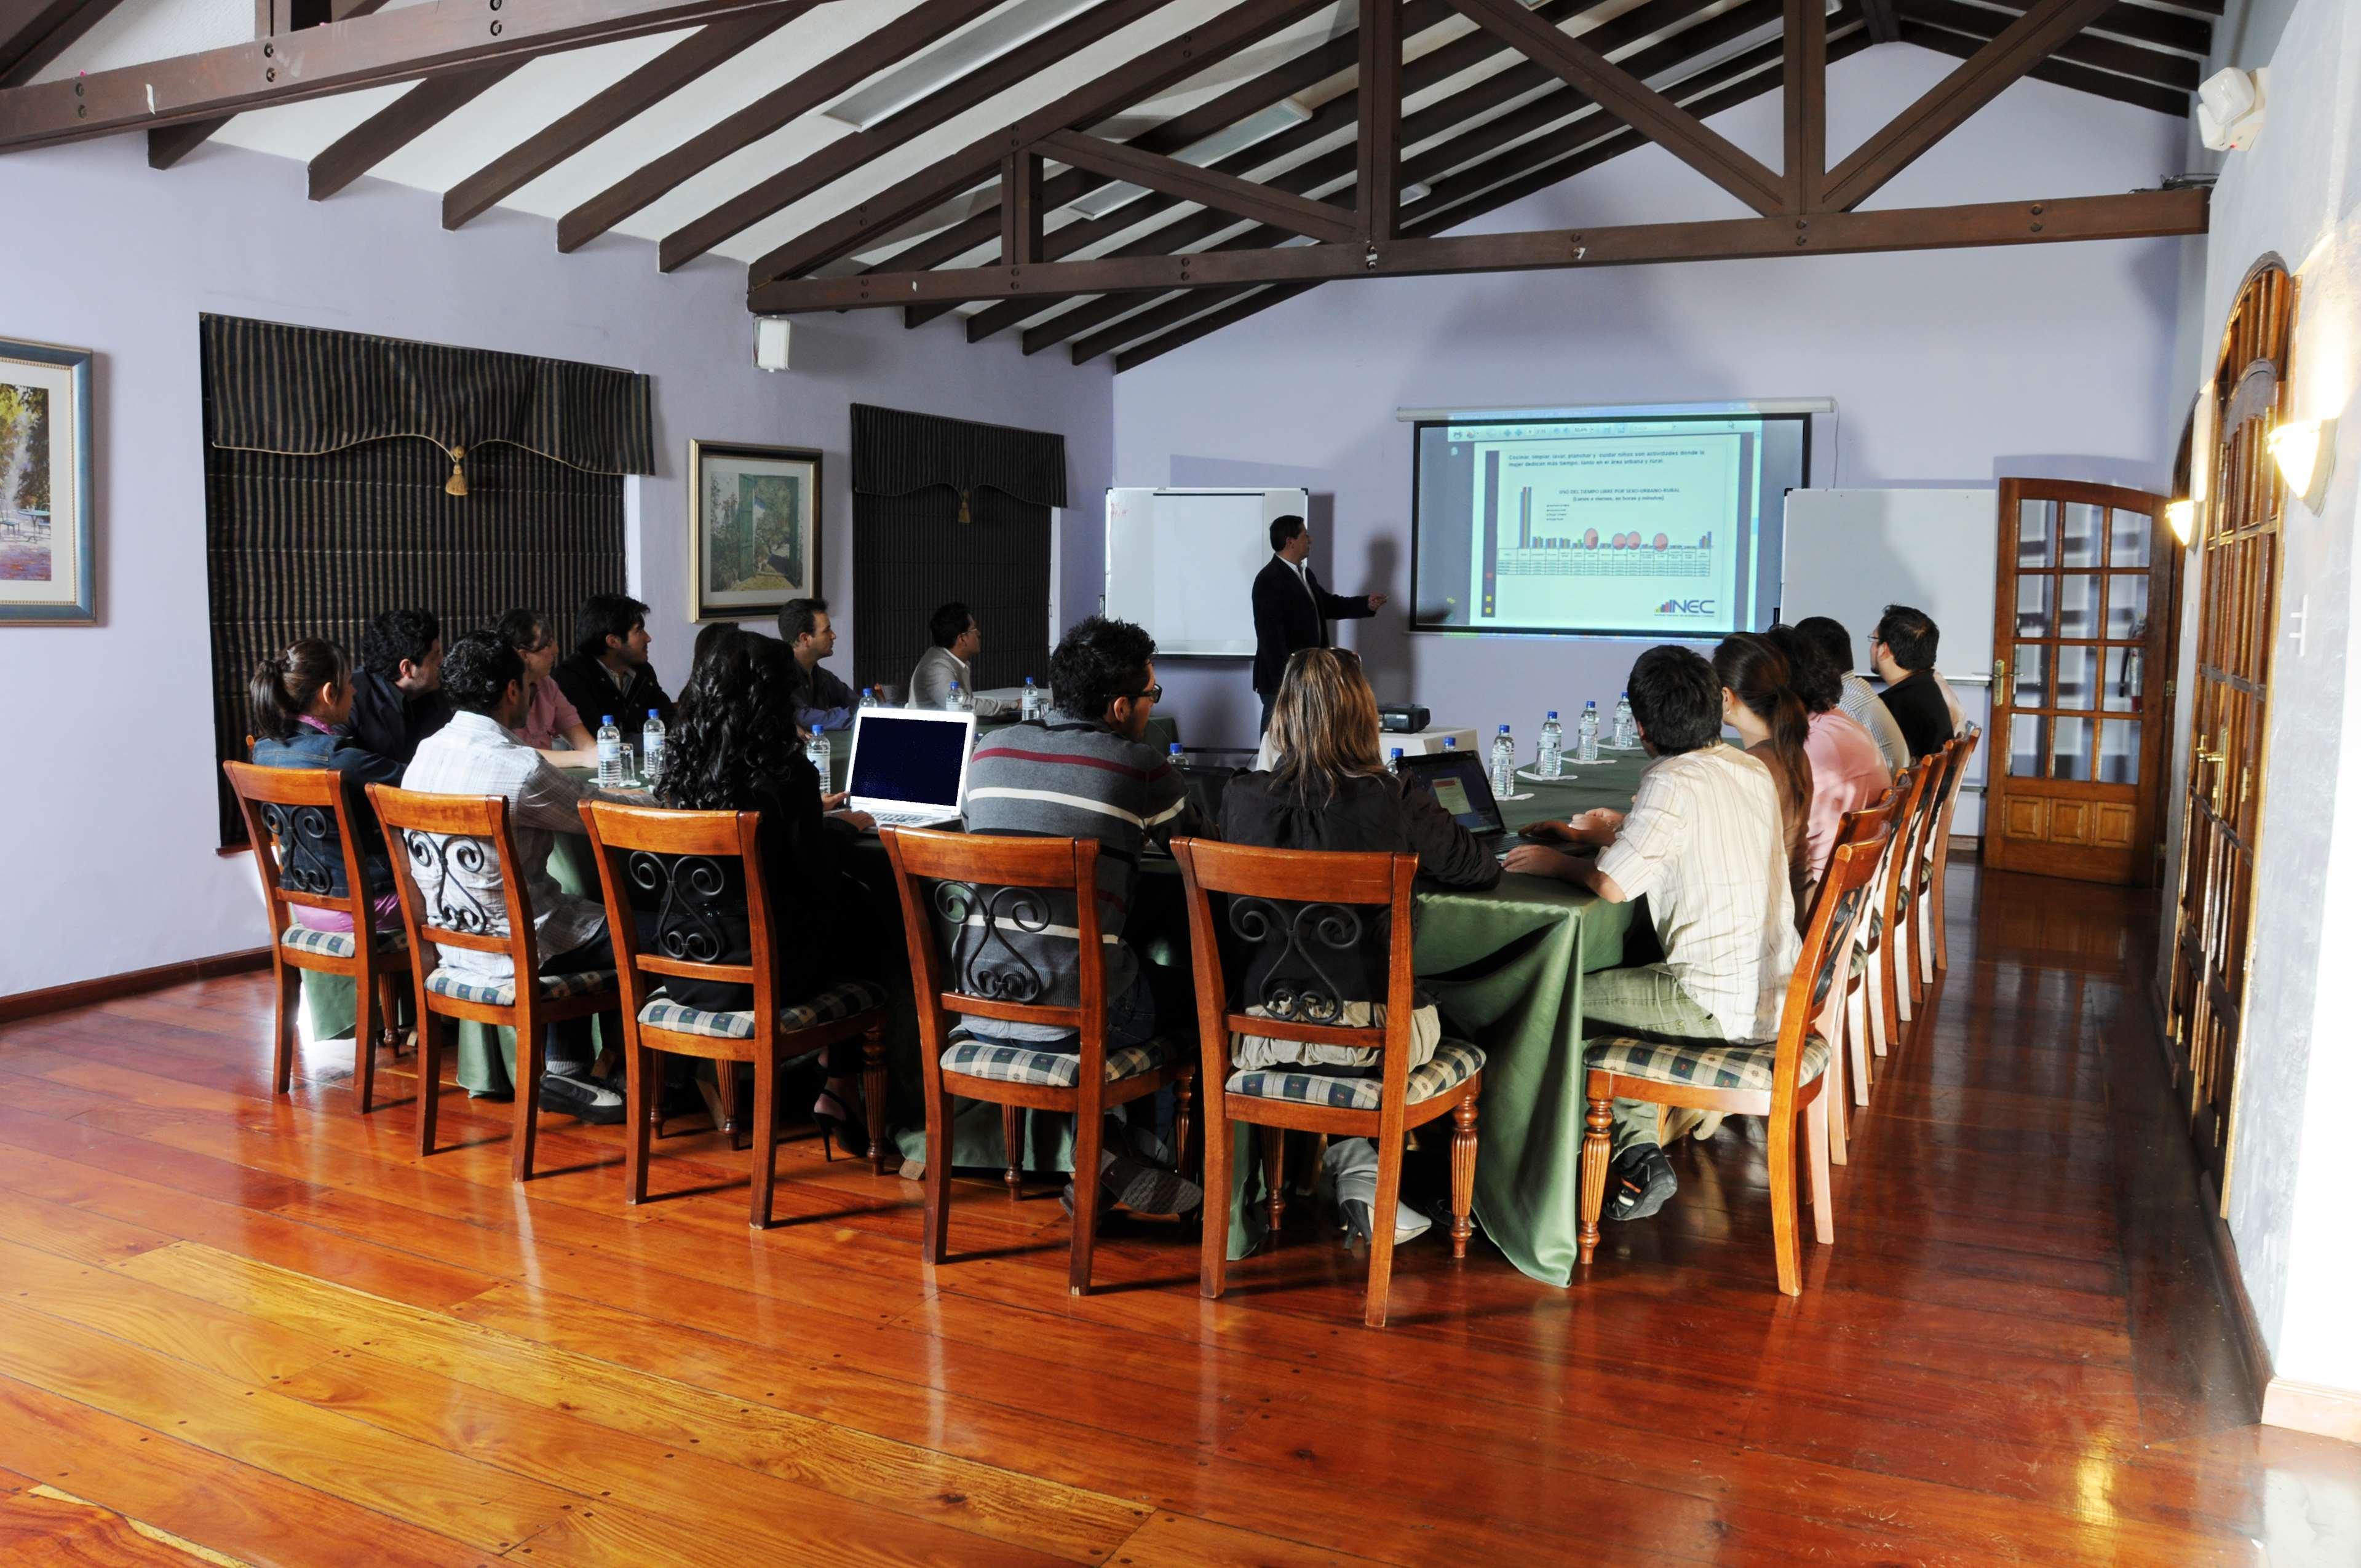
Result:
{"points": [[1087, 771]]}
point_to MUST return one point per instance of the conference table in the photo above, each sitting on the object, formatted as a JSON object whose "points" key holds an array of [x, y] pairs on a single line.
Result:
{"points": [[1505, 965]]}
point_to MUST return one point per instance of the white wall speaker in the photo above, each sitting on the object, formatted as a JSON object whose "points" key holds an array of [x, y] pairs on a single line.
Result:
{"points": [[771, 342]]}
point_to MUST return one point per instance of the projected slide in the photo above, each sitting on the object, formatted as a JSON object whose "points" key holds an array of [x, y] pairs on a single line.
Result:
{"points": [[1618, 526]]}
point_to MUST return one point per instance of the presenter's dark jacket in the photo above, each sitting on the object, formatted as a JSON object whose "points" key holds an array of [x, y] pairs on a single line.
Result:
{"points": [[594, 694], [1286, 618], [1917, 705], [388, 723]]}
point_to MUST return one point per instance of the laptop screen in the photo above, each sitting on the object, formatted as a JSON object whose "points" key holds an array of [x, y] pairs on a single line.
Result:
{"points": [[1459, 783], [918, 760]]}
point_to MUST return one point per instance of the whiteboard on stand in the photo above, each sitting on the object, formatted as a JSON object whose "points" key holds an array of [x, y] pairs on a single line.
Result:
{"points": [[1183, 562], [1848, 553]]}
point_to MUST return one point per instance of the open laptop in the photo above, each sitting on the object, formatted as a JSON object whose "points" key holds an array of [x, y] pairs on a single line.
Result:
{"points": [[909, 764], [1458, 781]]}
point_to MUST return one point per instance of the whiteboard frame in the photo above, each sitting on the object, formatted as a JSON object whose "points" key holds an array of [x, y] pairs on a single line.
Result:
{"points": [[1299, 499]]}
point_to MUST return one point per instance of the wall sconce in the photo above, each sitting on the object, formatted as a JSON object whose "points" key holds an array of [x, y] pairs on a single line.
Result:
{"points": [[2183, 516], [2305, 450]]}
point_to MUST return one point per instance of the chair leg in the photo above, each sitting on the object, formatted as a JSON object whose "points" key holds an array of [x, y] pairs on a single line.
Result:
{"points": [[1463, 1175], [1012, 1149], [1857, 1011], [1184, 1090], [1381, 1232], [766, 1141], [1090, 1129], [1214, 1243], [1819, 1134], [1925, 923], [1832, 1095], [935, 1244], [430, 1080], [528, 1099], [389, 1011], [873, 1091], [1785, 1245], [1274, 1174], [642, 1094], [365, 1011], [1880, 1001], [1597, 1122], [724, 1087], [283, 1026]]}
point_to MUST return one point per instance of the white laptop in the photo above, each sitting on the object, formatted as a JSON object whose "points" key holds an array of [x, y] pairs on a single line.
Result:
{"points": [[909, 764]]}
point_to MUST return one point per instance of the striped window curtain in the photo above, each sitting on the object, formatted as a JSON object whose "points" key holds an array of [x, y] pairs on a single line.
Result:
{"points": [[328, 480], [945, 509]]}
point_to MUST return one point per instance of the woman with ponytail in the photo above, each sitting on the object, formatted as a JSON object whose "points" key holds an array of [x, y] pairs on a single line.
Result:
{"points": [[301, 702], [1848, 770], [1758, 701]]}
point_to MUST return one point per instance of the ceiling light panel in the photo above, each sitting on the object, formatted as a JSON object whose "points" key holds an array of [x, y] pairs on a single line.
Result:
{"points": [[971, 49]]}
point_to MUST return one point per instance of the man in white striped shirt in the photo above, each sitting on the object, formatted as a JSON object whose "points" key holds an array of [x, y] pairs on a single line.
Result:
{"points": [[1704, 842]]}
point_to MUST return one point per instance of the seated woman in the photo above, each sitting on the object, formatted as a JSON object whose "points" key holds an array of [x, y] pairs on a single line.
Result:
{"points": [[735, 746], [1330, 791], [1847, 771], [549, 717], [1758, 701], [300, 703]]}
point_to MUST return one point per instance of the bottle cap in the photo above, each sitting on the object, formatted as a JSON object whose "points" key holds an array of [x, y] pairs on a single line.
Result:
{"points": [[652, 713], [1591, 704], [1398, 750], [1028, 680], [1174, 750], [1504, 729], [1552, 713], [1451, 742], [606, 719]]}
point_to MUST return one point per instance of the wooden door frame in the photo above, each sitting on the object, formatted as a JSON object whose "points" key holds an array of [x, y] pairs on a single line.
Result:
{"points": [[2162, 647]]}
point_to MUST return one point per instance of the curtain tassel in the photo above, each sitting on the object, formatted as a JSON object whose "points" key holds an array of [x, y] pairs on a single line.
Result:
{"points": [[964, 514], [456, 485]]}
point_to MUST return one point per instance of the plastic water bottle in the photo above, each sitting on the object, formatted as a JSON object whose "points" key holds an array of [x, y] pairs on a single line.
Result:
{"points": [[1504, 763], [819, 754], [869, 698], [1035, 702], [1552, 756], [960, 702], [1587, 733], [651, 747], [1393, 761], [1627, 728], [610, 753]]}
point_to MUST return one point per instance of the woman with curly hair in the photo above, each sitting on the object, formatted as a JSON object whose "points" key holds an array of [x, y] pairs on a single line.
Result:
{"points": [[735, 746]]}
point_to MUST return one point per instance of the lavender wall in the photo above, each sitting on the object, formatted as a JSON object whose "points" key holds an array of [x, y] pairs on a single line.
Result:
{"points": [[1947, 367], [106, 806]]}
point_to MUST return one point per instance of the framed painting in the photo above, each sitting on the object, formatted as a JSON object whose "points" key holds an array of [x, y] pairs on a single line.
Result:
{"points": [[47, 544], [754, 529]]}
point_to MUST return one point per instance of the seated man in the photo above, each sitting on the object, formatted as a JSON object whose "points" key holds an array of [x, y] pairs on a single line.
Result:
{"points": [[1859, 701], [608, 672], [396, 696], [1087, 773], [826, 702], [476, 754], [1903, 646], [1704, 843], [958, 640]]}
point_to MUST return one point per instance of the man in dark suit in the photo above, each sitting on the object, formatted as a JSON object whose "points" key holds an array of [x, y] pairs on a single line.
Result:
{"points": [[1291, 609]]}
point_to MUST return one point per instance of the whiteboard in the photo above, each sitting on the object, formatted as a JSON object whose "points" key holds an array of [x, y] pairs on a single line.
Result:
{"points": [[1183, 562], [1848, 553]]}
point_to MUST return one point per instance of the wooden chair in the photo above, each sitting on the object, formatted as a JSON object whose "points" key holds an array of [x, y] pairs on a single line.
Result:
{"points": [[300, 823], [1786, 1080], [1933, 954], [459, 831], [1848, 1049], [681, 859], [984, 888], [1309, 904], [1870, 981], [1913, 949]]}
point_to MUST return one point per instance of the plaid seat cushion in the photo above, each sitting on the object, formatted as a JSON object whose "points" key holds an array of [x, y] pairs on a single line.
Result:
{"points": [[837, 1002], [337, 944], [1012, 1061], [503, 993], [1708, 1064], [1453, 1063]]}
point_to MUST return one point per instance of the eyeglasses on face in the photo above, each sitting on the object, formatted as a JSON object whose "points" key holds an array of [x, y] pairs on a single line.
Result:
{"points": [[1153, 694]]}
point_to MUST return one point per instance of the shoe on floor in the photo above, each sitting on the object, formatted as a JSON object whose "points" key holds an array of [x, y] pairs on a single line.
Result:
{"points": [[584, 1098], [1352, 1165], [1142, 1189], [1639, 1183]]}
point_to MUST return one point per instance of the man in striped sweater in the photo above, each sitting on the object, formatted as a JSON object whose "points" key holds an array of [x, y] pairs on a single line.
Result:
{"points": [[1087, 773]]}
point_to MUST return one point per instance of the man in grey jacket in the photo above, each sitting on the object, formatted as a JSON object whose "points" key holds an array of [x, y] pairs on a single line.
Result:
{"points": [[957, 641]]}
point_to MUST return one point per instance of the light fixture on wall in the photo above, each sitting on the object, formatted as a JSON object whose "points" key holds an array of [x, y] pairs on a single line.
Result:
{"points": [[2305, 450], [770, 334], [2230, 108], [2183, 516]]}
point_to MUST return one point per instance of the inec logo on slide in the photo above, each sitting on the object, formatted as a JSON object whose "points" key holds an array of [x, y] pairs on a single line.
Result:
{"points": [[1685, 606]]}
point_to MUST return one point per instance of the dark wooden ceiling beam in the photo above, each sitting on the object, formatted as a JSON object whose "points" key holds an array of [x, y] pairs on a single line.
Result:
{"points": [[1166, 65], [1020, 210], [33, 33], [2141, 24], [1805, 88], [2061, 72], [1222, 193], [1631, 101], [2024, 44], [2175, 71], [919, 28], [405, 43], [170, 143], [399, 123], [650, 84], [1377, 88], [1430, 166], [1883, 25]]}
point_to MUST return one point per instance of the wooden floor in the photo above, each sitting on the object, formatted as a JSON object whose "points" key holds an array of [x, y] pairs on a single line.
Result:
{"points": [[240, 1330]]}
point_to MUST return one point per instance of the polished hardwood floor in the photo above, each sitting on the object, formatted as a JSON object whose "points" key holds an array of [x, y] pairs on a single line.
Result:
{"points": [[242, 1329]]}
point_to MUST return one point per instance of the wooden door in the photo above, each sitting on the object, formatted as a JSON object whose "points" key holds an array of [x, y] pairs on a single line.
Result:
{"points": [[2238, 529], [2083, 646]]}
